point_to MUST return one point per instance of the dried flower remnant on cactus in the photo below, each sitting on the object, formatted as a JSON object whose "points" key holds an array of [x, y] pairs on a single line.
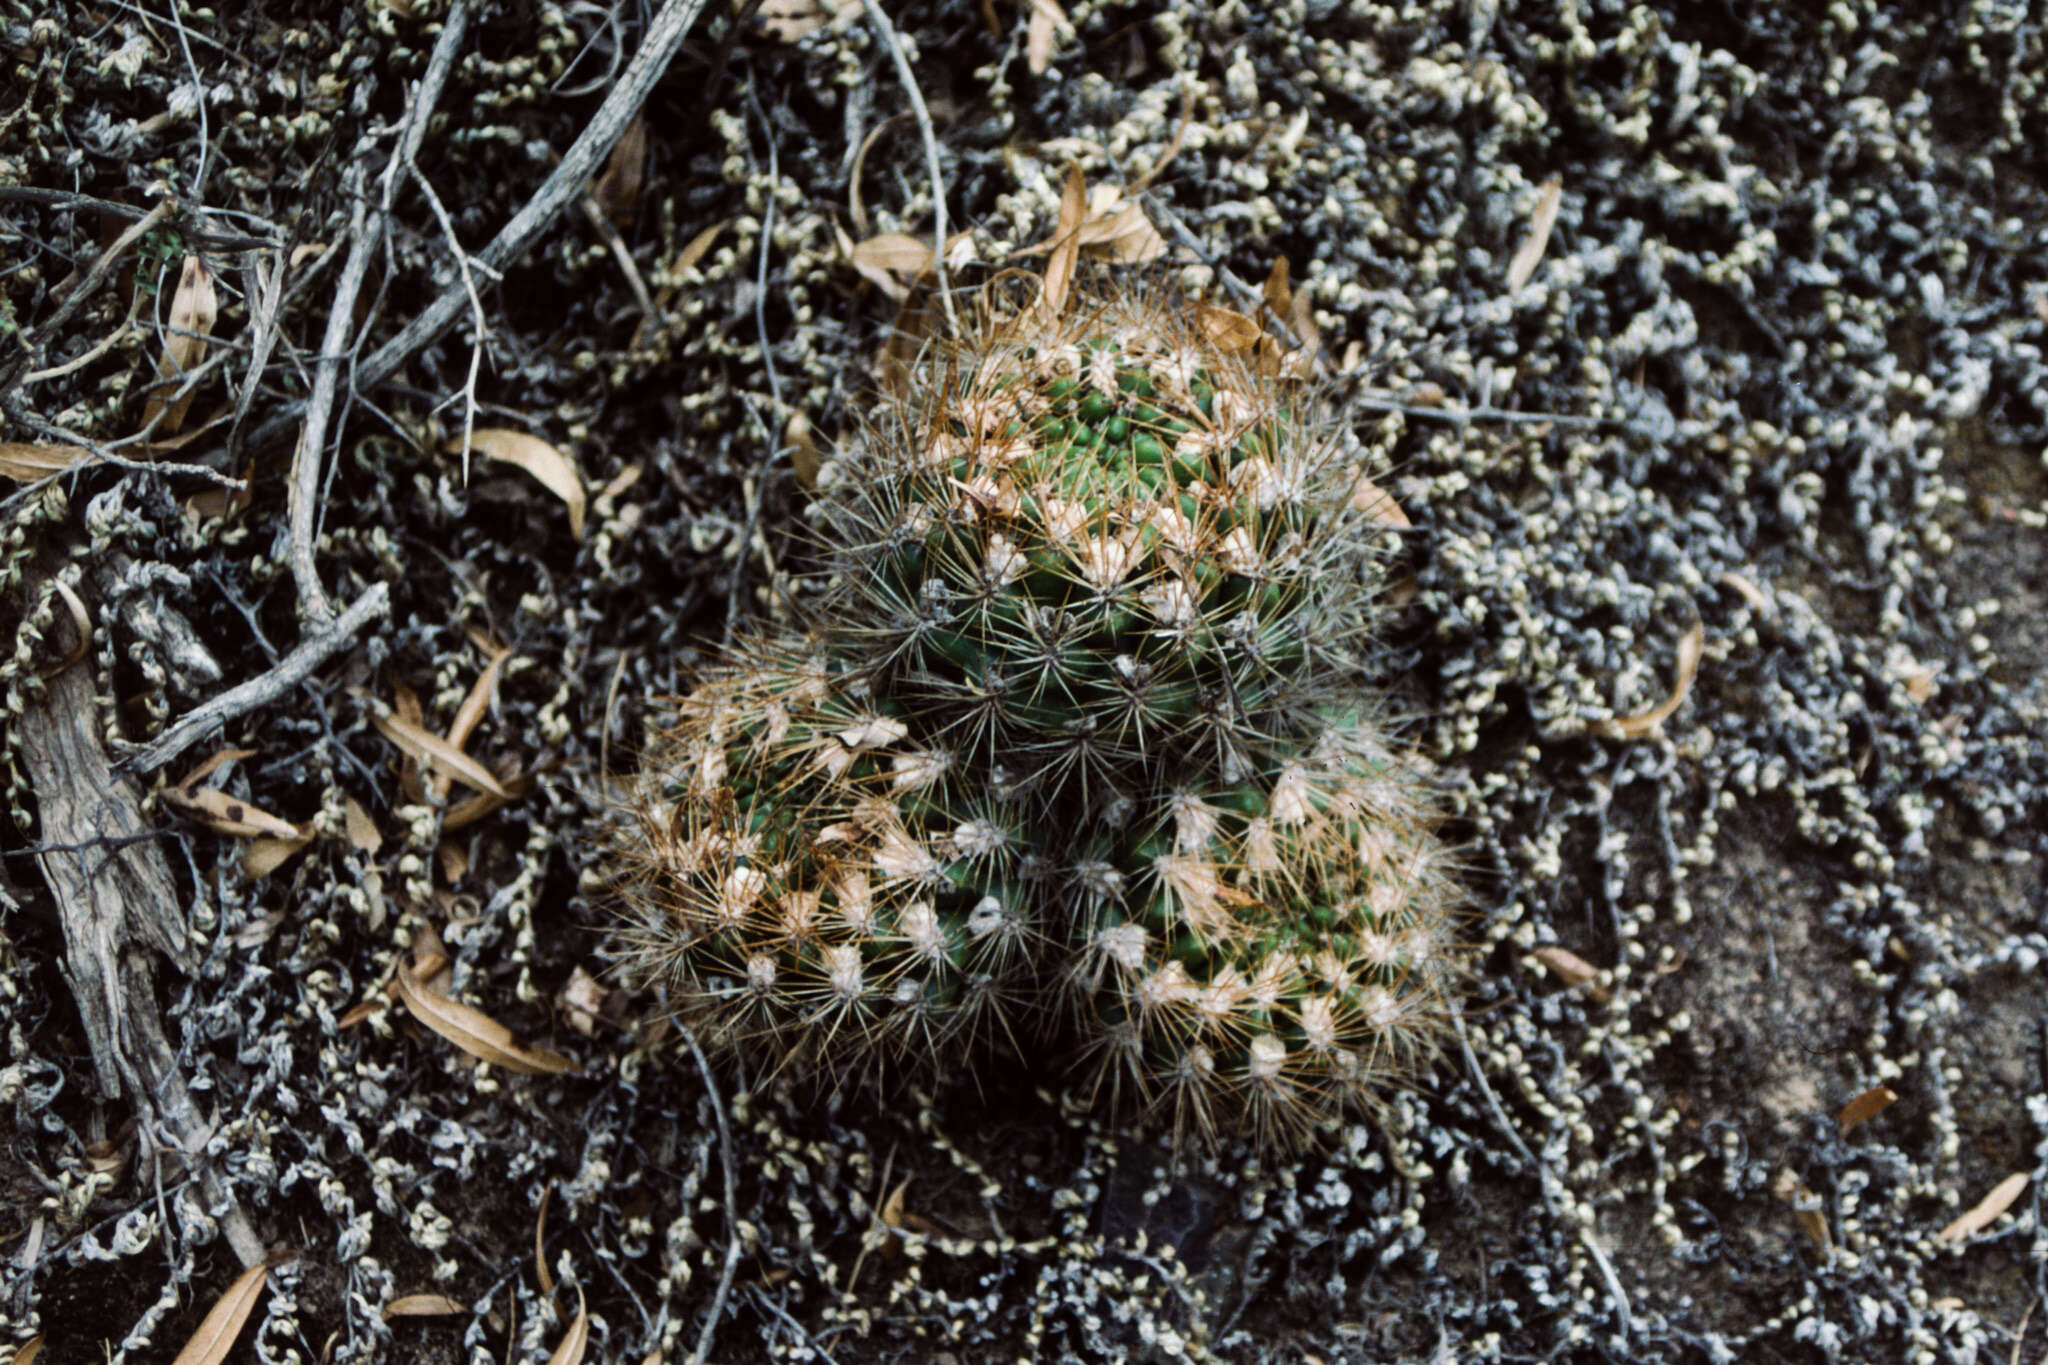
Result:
{"points": [[1075, 750]]}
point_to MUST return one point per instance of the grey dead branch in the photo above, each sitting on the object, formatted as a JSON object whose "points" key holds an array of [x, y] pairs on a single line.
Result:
{"points": [[1756, 1070]]}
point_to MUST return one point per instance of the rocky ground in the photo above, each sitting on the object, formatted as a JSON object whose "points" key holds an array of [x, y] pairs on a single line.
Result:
{"points": [[1759, 432]]}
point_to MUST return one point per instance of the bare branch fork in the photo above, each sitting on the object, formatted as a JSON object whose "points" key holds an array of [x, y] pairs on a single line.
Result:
{"points": [[366, 232], [568, 182]]}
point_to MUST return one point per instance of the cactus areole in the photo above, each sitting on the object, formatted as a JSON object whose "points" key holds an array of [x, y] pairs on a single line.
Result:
{"points": [[1075, 754]]}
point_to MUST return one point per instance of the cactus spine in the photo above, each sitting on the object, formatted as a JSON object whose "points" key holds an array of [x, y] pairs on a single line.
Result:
{"points": [[1075, 749]]}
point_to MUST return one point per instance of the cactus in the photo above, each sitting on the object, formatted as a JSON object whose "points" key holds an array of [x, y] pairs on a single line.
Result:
{"points": [[1081, 550], [1073, 751], [799, 880], [1271, 952]]}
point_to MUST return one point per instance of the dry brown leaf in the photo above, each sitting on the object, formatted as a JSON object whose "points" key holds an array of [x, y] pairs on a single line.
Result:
{"points": [[475, 1032], [585, 1000], [1869, 1104], [804, 458], [547, 464], [1124, 236], [540, 1237], [454, 862], [896, 252], [1988, 1208], [361, 829], [217, 504], [264, 856], [422, 1306], [435, 752], [25, 462], [1690, 647], [478, 702], [1376, 502], [472, 809], [193, 310], [1566, 965], [1066, 252], [570, 1352], [305, 251], [30, 1351], [892, 1207], [212, 764], [1793, 1192], [1047, 20], [699, 246], [1523, 266], [617, 187], [223, 1322], [229, 815], [1278, 295], [881, 279], [1301, 320], [1227, 331]]}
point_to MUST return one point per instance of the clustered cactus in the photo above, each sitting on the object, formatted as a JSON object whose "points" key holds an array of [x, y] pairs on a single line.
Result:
{"points": [[1075, 752]]}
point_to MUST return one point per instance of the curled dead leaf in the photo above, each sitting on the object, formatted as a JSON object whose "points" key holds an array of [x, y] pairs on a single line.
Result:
{"points": [[223, 1322], [1124, 236], [549, 466], [81, 622], [585, 1001], [1690, 648], [194, 309], [1986, 1211], [1869, 1104], [475, 1032], [422, 1306]]}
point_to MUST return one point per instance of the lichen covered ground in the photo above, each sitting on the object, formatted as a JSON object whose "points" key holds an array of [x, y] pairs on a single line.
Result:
{"points": [[1775, 387]]}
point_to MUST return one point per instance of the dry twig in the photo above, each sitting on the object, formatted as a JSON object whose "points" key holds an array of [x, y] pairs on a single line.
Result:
{"points": [[287, 673], [366, 231], [732, 1206]]}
